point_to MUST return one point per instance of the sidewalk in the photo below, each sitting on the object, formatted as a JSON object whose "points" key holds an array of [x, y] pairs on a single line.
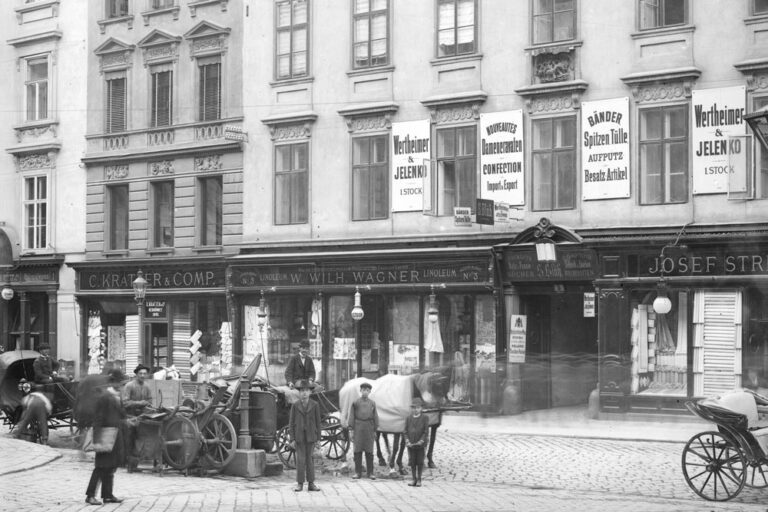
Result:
{"points": [[22, 455], [574, 422]]}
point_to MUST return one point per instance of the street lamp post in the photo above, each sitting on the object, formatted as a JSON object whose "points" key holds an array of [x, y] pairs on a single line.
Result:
{"points": [[139, 292], [357, 315]]}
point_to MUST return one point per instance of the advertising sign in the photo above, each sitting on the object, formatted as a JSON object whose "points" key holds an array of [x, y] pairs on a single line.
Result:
{"points": [[410, 149], [516, 349], [717, 115], [501, 157], [500, 213], [605, 153], [589, 304], [155, 309], [462, 216], [484, 212]]}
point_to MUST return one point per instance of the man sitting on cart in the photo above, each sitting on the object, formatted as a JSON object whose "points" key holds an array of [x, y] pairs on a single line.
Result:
{"points": [[46, 367], [300, 366], [137, 399]]}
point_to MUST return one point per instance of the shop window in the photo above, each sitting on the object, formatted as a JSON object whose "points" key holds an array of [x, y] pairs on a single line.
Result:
{"points": [[370, 178], [117, 211], [662, 13], [116, 120], [659, 346], [456, 32], [162, 211], [759, 7], [36, 88], [209, 89], [664, 155], [210, 210], [553, 20], [554, 163], [292, 38], [35, 218], [117, 8], [456, 168], [291, 183], [371, 33], [161, 110], [762, 160]]}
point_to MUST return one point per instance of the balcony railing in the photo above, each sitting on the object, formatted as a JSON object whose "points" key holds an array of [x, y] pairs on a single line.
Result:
{"points": [[115, 142], [160, 137], [209, 131]]}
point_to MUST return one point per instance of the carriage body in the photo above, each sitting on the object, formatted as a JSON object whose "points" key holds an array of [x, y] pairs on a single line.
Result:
{"points": [[717, 465]]}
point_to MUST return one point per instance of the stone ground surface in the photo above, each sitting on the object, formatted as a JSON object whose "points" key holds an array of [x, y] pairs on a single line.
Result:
{"points": [[480, 469]]}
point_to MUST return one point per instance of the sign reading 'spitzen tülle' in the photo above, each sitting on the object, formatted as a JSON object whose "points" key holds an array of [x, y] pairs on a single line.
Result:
{"points": [[605, 149]]}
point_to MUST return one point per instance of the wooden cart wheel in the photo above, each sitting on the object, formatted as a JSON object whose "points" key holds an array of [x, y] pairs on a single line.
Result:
{"points": [[181, 442], [219, 441], [285, 451], [757, 475], [334, 438], [714, 467]]}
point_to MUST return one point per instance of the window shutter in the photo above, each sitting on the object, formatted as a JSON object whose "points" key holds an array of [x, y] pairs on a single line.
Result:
{"points": [[210, 92], [116, 120], [717, 343]]}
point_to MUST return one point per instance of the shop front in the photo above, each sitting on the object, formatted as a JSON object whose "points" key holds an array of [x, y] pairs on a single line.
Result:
{"points": [[182, 321], [369, 313], [681, 322]]}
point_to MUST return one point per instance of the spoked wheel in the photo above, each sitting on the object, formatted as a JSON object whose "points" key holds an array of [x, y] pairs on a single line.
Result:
{"points": [[181, 442], [334, 439], [757, 475], [285, 451], [714, 468], [219, 441]]}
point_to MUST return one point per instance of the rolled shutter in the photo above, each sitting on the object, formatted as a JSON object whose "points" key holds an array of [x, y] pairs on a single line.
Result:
{"points": [[717, 342]]}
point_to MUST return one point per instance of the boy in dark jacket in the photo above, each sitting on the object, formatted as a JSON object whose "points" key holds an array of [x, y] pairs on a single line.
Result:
{"points": [[304, 428], [364, 422], [416, 436]]}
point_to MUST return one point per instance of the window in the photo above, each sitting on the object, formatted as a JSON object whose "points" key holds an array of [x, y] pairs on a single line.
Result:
{"points": [[456, 159], [554, 163], [291, 183], [762, 161], [116, 104], [209, 100], [162, 96], [760, 7], [162, 202], [117, 208], [553, 20], [370, 180], [210, 211], [35, 212], [162, 4], [662, 13], [36, 87], [664, 155], [292, 38], [455, 27], [117, 8], [371, 28]]}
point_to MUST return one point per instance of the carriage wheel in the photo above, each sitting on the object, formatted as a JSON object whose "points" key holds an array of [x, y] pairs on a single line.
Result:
{"points": [[714, 467], [757, 475], [285, 451], [334, 439], [181, 442], [219, 441]]}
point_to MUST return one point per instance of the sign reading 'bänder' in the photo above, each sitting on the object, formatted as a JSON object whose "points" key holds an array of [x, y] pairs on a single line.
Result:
{"points": [[605, 149]]}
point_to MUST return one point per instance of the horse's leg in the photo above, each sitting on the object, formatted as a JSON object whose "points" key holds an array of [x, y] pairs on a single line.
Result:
{"points": [[382, 462], [400, 455], [432, 433], [393, 454]]}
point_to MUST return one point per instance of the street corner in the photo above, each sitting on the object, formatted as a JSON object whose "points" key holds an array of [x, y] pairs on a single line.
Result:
{"points": [[19, 455]]}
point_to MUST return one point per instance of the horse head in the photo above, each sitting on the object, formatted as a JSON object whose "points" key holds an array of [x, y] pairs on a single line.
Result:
{"points": [[433, 387]]}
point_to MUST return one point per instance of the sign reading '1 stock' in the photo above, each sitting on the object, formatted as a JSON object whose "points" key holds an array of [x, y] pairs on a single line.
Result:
{"points": [[605, 153], [410, 158], [717, 114], [501, 157]]}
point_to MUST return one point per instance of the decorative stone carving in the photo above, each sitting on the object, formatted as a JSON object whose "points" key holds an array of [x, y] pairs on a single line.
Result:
{"points": [[35, 132], [662, 92], [34, 161], [207, 44], [456, 114], [115, 172], [290, 131], [115, 60], [557, 67], [613, 292], [552, 104], [163, 167], [208, 163], [759, 82], [373, 123]]}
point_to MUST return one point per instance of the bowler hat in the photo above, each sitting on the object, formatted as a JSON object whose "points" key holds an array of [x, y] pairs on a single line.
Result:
{"points": [[366, 385], [141, 367], [304, 344], [43, 346], [417, 402], [305, 384]]}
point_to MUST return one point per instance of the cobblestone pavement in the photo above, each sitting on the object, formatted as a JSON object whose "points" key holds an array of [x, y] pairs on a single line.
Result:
{"points": [[483, 472]]}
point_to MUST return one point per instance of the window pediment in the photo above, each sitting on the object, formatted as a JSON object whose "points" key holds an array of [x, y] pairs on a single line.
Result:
{"points": [[290, 126], [159, 46], [114, 54], [369, 116], [662, 85], [207, 38]]}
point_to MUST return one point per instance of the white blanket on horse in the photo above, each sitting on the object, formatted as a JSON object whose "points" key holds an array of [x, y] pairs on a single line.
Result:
{"points": [[392, 394], [291, 395]]}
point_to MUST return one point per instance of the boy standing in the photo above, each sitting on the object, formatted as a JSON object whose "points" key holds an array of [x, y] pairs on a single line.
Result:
{"points": [[416, 434], [304, 428], [364, 421]]}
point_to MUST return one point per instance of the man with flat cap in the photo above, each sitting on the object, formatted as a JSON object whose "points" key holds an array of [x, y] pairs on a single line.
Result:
{"points": [[364, 422], [137, 398], [304, 428], [300, 367], [46, 367]]}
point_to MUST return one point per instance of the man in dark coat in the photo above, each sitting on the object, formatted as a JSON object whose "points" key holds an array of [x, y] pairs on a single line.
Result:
{"points": [[36, 408], [109, 414], [46, 367], [137, 398], [304, 428], [364, 422], [300, 366]]}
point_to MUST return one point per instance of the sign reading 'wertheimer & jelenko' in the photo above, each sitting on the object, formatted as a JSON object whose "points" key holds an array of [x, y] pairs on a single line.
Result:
{"points": [[410, 161]]}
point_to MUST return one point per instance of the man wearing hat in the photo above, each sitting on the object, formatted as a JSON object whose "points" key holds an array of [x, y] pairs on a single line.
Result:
{"points": [[304, 428], [137, 397], [36, 407], [364, 422], [300, 366], [45, 367], [416, 436]]}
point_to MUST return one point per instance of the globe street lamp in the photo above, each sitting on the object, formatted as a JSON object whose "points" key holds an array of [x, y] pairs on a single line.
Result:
{"points": [[357, 315], [139, 292]]}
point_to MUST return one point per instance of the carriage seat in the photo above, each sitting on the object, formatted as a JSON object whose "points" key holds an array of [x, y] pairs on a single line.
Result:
{"points": [[744, 403]]}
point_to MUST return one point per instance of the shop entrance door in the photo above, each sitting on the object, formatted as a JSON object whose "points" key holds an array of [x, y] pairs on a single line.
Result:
{"points": [[535, 373]]}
